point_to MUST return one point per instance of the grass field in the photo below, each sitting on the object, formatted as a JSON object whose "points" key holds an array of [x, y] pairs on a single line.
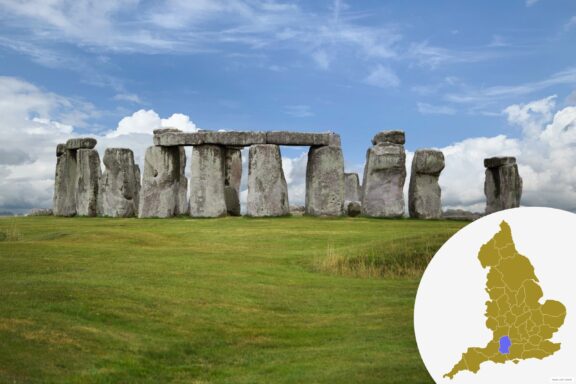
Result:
{"points": [[233, 300]]}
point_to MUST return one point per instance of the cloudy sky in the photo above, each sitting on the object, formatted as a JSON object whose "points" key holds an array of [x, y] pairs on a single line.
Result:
{"points": [[475, 79]]}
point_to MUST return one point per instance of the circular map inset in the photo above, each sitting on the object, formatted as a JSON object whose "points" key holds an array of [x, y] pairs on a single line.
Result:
{"points": [[496, 304]]}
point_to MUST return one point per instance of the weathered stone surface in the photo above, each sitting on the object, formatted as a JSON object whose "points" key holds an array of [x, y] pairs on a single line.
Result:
{"points": [[182, 207], [353, 208], [297, 210], [352, 189], [390, 137], [233, 171], [503, 184], [207, 181], [165, 130], [267, 188], [40, 212], [159, 196], [424, 193], [325, 181], [302, 138], [384, 177], [232, 201], [60, 149], [81, 143], [64, 200], [89, 173], [494, 162], [234, 139], [120, 184]]}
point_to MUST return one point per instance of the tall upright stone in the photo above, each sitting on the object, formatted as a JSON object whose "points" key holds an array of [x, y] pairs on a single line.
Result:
{"points": [[120, 184], [182, 203], [207, 181], [352, 189], [503, 184], [325, 181], [88, 179], [160, 193], [65, 182], [384, 176], [233, 178], [424, 193], [267, 188]]}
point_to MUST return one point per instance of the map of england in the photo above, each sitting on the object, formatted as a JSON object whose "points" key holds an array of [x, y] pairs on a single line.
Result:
{"points": [[522, 327]]}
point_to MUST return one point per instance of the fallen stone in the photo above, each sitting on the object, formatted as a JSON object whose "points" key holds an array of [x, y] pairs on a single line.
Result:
{"points": [[460, 214], [352, 189], [89, 173], [389, 137], [40, 212], [65, 182], [503, 184], [120, 184], [267, 188], [297, 210], [325, 181], [353, 208], [384, 177], [81, 143], [424, 193], [207, 181]]}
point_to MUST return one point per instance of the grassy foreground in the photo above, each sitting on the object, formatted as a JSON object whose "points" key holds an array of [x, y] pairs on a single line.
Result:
{"points": [[233, 300]]}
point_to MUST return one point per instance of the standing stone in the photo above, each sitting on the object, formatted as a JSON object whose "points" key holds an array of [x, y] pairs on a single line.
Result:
{"points": [[159, 196], [352, 189], [503, 184], [233, 178], [89, 173], [325, 181], [384, 176], [64, 200], [424, 194], [182, 203], [120, 184], [267, 188], [207, 181]]}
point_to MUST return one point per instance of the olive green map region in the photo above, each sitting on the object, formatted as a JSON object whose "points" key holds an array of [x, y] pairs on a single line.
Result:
{"points": [[522, 327]]}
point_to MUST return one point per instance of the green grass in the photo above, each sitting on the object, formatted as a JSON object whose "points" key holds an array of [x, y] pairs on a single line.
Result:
{"points": [[234, 300]]}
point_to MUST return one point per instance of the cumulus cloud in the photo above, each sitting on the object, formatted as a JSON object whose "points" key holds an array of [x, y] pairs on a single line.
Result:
{"points": [[146, 121], [382, 77]]}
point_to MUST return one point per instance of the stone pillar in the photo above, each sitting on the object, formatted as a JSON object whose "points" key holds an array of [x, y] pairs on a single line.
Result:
{"points": [[424, 194], [182, 207], [159, 196], [233, 178], [64, 200], [325, 181], [267, 188], [89, 173], [384, 176], [207, 181], [352, 189], [120, 184], [503, 184]]}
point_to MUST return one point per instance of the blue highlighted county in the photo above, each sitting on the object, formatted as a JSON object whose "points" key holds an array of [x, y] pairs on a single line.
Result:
{"points": [[505, 344]]}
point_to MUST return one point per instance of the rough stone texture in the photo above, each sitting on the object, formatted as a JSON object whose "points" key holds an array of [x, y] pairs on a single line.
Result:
{"points": [[120, 184], [353, 208], [65, 181], [302, 138], [384, 177], [60, 149], [390, 137], [325, 181], [503, 184], [232, 201], [352, 189], [160, 192], [165, 130], [424, 194], [182, 203], [207, 181], [81, 143], [267, 188], [297, 210], [88, 180]]}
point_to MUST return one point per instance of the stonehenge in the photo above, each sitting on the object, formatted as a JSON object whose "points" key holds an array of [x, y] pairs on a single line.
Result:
{"points": [[503, 184], [424, 194], [384, 176], [163, 190]]}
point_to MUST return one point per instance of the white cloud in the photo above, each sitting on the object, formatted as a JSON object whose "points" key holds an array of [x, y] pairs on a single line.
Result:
{"points": [[129, 97], [382, 77], [570, 24], [530, 3], [429, 109], [146, 121]]}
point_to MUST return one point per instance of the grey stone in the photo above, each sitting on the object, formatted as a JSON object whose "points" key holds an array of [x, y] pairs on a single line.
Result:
{"points": [[60, 149], [383, 184], [391, 137], [297, 210], [233, 138], [65, 182], [40, 212], [353, 208], [424, 193], [460, 214], [302, 138], [182, 203], [232, 201], [81, 143], [325, 181], [352, 189], [207, 181], [89, 174], [165, 130], [120, 184], [503, 184], [159, 196], [233, 170], [267, 188]]}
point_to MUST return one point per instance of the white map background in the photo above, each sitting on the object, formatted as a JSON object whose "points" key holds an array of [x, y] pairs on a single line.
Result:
{"points": [[450, 303]]}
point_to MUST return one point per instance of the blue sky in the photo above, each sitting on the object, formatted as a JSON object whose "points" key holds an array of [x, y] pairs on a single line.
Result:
{"points": [[473, 77]]}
